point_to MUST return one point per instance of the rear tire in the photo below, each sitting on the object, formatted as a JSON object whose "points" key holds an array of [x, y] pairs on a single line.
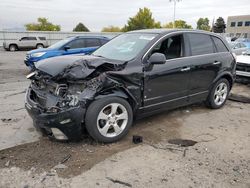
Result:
{"points": [[218, 94], [108, 119], [13, 48], [39, 46]]}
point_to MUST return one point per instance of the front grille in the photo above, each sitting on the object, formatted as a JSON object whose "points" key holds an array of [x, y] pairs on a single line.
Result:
{"points": [[243, 67]]}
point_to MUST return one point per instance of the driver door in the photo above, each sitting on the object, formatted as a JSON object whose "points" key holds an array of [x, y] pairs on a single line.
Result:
{"points": [[166, 85]]}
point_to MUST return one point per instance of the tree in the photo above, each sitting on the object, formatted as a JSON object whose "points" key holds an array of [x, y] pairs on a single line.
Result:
{"points": [[81, 28], [142, 20], [178, 24], [219, 26], [203, 24], [42, 25], [111, 29]]}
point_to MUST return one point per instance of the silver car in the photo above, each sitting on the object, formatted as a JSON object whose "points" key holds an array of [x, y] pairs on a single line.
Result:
{"points": [[26, 43], [238, 47]]}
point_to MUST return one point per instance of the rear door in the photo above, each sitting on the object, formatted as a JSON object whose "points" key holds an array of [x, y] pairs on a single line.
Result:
{"points": [[91, 44], [206, 64]]}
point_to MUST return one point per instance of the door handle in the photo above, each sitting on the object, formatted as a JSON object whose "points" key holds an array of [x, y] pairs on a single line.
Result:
{"points": [[217, 63], [185, 69]]}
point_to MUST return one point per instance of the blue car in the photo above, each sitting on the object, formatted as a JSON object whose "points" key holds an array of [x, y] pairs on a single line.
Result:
{"points": [[72, 45]]}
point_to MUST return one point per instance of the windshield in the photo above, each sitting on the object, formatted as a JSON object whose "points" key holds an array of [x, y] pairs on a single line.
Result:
{"points": [[60, 43], [232, 44], [125, 47]]}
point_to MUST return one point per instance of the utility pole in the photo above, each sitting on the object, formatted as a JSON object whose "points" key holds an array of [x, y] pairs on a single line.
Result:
{"points": [[174, 10]]}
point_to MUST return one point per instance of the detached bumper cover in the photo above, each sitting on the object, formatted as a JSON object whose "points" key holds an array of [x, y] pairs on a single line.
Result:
{"points": [[68, 121]]}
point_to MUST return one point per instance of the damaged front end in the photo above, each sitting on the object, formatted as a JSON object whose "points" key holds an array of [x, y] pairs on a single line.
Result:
{"points": [[61, 90]]}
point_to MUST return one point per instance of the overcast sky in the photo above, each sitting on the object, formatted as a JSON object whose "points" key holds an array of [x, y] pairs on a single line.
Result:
{"points": [[96, 14]]}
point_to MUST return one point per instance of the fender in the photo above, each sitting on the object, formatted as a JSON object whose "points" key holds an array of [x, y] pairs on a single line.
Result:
{"points": [[227, 75], [120, 92]]}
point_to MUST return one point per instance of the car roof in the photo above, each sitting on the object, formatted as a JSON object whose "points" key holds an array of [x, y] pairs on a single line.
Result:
{"points": [[166, 31], [90, 36]]}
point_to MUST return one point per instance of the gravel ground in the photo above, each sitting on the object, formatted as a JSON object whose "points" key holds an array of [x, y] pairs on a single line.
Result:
{"points": [[220, 158]]}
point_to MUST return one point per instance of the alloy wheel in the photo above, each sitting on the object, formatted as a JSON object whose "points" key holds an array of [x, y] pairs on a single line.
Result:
{"points": [[112, 120], [220, 94]]}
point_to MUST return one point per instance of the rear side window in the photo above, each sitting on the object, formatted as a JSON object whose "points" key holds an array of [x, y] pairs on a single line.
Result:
{"points": [[92, 42], [31, 38], [200, 44], [103, 41], [42, 38], [219, 45]]}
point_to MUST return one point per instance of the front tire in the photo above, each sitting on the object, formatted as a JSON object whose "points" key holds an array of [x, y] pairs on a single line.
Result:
{"points": [[13, 48], [108, 119], [218, 94]]}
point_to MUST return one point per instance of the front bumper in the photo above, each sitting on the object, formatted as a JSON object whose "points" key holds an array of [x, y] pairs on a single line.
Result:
{"points": [[243, 69], [63, 125]]}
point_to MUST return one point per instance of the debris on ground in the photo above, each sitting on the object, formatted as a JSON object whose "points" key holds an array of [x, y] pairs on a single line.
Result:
{"points": [[65, 159], [137, 139], [60, 166], [119, 182], [7, 164], [182, 142]]}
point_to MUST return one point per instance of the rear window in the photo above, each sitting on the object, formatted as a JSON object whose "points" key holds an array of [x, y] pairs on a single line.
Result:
{"points": [[219, 45], [200, 44], [42, 38]]}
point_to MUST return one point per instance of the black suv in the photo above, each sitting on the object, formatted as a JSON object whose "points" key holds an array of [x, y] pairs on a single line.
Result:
{"points": [[134, 75]]}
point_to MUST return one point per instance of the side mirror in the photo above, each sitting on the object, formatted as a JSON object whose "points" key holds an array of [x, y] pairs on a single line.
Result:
{"points": [[66, 48], [157, 58]]}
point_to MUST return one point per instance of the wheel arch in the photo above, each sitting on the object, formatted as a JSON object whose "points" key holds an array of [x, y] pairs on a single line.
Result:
{"points": [[39, 44], [228, 76], [14, 45], [122, 93]]}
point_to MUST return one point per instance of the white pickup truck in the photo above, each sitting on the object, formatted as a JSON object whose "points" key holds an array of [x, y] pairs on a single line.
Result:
{"points": [[26, 43]]}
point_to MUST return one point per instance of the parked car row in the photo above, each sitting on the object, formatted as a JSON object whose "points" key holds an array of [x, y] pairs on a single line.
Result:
{"points": [[134, 75]]}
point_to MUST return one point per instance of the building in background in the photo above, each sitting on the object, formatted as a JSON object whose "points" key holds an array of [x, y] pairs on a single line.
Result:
{"points": [[238, 26]]}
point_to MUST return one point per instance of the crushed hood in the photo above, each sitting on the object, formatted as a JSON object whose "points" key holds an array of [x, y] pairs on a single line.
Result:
{"points": [[75, 67], [243, 59]]}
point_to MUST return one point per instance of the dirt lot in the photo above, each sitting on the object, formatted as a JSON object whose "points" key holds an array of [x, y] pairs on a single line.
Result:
{"points": [[220, 158]]}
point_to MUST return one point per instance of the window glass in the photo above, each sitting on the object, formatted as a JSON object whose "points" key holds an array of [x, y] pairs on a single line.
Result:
{"points": [[219, 45], [247, 23], [103, 41], [125, 47], [77, 43], [31, 38], [200, 44], [92, 42], [42, 38], [242, 45], [171, 47], [240, 24], [232, 24]]}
